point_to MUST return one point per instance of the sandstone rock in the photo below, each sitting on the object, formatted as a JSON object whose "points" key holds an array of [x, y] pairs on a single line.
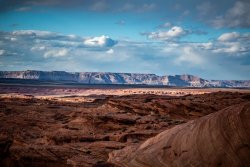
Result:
{"points": [[218, 139]]}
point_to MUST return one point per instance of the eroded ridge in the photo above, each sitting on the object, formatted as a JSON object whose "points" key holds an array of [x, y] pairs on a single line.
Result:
{"points": [[218, 139]]}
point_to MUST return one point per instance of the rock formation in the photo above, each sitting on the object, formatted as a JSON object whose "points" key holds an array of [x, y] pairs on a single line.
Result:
{"points": [[122, 78], [218, 139]]}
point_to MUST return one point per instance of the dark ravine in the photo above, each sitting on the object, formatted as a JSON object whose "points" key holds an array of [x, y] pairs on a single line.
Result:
{"points": [[123, 78]]}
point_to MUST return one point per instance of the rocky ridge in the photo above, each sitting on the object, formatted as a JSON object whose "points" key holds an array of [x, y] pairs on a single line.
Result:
{"points": [[218, 139], [123, 78]]}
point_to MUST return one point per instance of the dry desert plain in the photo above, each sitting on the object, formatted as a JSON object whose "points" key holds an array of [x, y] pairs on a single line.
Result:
{"points": [[45, 126]]}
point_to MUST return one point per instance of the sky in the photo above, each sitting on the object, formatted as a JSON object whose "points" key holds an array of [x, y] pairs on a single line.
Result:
{"points": [[209, 39]]}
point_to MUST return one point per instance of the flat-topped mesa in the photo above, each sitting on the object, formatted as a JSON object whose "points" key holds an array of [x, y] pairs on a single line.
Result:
{"points": [[218, 139], [38, 75], [187, 80], [122, 78]]}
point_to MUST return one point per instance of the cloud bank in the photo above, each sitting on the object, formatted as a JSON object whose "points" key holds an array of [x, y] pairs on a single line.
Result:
{"points": [[220, 14], [226, 57]]}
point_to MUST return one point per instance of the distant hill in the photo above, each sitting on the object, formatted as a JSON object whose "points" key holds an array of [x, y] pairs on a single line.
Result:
{"points": [[123, 78]]}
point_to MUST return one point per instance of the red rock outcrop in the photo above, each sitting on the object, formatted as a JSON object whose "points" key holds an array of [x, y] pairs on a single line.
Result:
{"points": [[82, 131], [218, 139]]}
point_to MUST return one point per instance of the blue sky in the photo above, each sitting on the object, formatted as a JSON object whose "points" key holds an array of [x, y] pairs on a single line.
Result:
{"points": [[210, 39]]}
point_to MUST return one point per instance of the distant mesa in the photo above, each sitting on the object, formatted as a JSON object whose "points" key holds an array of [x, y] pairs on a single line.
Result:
{"points": [[122, 78]]}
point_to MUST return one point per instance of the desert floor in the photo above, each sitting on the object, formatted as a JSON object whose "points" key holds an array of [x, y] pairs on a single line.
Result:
{"points": [[50, 126]]}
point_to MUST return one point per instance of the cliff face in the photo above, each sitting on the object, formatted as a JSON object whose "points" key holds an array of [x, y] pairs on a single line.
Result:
{"points": [[122, 78]]}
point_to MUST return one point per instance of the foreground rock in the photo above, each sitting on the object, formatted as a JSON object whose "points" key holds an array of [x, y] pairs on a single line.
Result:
{"points": [[218, 139], [82, 131]]}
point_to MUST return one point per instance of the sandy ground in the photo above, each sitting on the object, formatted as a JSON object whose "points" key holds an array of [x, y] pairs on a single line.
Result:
{"points": [[69, 91]]}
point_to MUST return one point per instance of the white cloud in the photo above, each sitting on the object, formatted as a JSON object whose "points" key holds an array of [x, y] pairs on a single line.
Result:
{"points": [[102, 41], [38, 48], [56, 53], [37, 33], [190, 56], [23, 32], [110, 51], [230, 48], [72, 36], [52, 39], [207, 45], [233, 44], [13, 39], [172, 33], [2, 52], [229, 36]]}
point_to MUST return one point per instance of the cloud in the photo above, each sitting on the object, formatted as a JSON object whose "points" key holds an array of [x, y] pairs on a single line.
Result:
{"points": [[186, 12], [136, 6], [91, 5], [2, 52], [197, 32], [165, 25], [35, 33], [204, 8], [229, 36], [173, 33], [224, 13], [59, 40], [232, 48], [102, 41], [147, 7], [237, 16], [110, 51], [56, 53], [233, 44], [211, 60], [189, 55], [234, 36], [99, 6], [38, 48], [120, 6], [23, 9], [45, 44]]}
